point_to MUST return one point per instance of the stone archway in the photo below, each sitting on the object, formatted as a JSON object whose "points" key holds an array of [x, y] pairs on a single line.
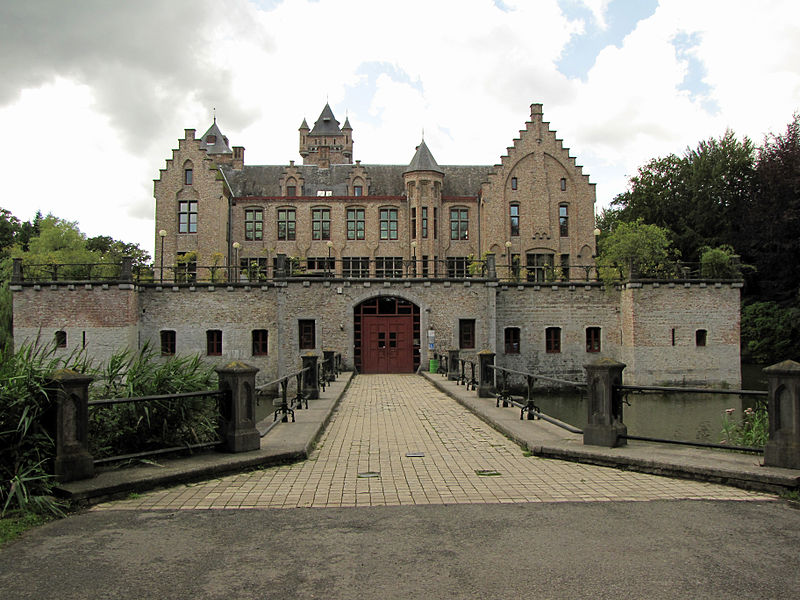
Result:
{"points": [[386, 335]]}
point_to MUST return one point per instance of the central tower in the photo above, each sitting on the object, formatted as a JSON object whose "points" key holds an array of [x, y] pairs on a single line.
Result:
{"points": [[326, 144]]}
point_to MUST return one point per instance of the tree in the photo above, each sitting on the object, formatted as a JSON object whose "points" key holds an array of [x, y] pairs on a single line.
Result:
{"points": [[699, 197], [9, 229], [634, 249], [770, 241]]}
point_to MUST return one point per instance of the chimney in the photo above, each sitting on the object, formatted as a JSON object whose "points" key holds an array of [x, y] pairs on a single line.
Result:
{"points": [[238, 157]]}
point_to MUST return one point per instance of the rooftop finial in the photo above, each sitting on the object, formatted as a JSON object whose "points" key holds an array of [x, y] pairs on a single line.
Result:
{"points": [[423, 134], [214, 112]]}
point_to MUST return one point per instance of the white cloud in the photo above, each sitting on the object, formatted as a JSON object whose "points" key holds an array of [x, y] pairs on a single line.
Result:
{"points": [[94, 115]]}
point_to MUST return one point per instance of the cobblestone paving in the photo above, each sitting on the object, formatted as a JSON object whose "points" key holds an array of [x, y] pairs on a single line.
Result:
{"points": [[396, 440]]}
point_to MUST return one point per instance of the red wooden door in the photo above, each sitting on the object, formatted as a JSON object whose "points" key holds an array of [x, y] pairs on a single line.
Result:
{"points": [[387, 344]]}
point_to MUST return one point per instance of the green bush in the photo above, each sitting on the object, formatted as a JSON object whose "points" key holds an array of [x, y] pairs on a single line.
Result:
{"points": [[26, 413], [136, 427], [752, 431]]}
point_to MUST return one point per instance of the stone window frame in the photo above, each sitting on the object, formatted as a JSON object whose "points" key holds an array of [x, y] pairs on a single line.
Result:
{"points": [[423, 222], [287, 232], [466, 334], [213, 342], [594, 339], [307, 334], [254, 224], [459, 223], [356, 215], [511, 339], [168, 339], [320, 222], [260, 338], [290, 188], [563, 184], [413, 222], [188, 173], [552, 340], [514, 183], [388, 223], [513, 219], [187, 216]]}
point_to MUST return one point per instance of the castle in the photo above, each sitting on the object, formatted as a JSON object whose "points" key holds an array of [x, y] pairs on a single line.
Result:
{"points": [[389, 264]]}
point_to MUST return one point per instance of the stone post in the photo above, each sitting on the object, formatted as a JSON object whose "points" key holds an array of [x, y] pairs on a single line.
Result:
{"points": [[126, 270], [238, 407], [491, 266], [783, 447], [16, 272], [605, 404], [328, 358], [486, 374], [71, 390], [452, 365], [310, 379]]}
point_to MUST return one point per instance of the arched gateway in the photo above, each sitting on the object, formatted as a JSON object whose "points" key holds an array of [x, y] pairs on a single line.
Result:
{"points": [[386, 335]]}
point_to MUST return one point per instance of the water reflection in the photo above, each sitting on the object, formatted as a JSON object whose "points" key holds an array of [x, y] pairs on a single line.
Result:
{"points": [[684, 417]]}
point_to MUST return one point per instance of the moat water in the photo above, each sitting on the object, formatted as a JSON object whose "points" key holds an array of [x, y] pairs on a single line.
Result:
{"points": [[678, 416]]}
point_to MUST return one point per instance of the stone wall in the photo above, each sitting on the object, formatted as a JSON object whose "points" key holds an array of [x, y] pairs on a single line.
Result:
{"points": [[636, 323]]}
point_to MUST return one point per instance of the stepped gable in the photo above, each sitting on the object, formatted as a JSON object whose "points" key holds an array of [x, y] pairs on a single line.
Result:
{"points": [[536, 135]]}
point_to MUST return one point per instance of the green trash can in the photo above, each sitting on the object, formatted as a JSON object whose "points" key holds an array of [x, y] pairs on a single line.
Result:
{"points": [[434, 365]]}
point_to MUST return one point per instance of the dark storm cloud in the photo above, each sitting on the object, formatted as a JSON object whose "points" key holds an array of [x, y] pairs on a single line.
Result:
{"points": [[142, 59]]}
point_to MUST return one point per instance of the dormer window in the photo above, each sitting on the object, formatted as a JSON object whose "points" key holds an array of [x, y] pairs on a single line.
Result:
{"points": [[324, 193], [211, 139]]}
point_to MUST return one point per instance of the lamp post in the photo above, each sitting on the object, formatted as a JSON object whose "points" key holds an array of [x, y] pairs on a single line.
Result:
{"points": [[329, 244], [236, 246], [414, 256], [162, 234]]}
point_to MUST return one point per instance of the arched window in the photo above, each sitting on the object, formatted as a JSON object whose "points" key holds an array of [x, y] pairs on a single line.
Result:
{"points": [[291, 187]]}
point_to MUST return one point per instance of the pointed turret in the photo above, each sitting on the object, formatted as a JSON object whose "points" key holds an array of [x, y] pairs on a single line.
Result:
{"points": [[214, 142], [326, 144], [423, 161]]}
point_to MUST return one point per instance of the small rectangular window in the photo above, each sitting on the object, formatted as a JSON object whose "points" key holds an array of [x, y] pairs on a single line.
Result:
{"points": [[355, 224], [321, 224], [358, 190], [286, 224], [512, 340], [307, 334], [260, 342], [291, 191], [552, 336], [593, 339], [563, 184], [214, 342], [188, 176], [700, 337], [167, 342], [424, 223], [61, 339], [413, 222], [466, 334], [253, 224], [513, 183]]}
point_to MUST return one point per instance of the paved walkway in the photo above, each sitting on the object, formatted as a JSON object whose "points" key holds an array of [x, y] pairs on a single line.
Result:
{"points": [[396, 440]]}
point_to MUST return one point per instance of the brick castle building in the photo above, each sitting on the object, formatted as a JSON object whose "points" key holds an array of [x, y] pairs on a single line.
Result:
{"points": [[388, 264]]}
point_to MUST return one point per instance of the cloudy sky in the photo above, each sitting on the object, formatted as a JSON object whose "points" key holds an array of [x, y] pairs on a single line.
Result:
{"points": [[94, 94]]}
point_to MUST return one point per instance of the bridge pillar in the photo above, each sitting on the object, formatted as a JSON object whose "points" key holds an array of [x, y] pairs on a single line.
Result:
{"points": [[238, 407], [486, 374], [452, 365], [605, 424], [783, 447], [71, 390], [310, 379]]}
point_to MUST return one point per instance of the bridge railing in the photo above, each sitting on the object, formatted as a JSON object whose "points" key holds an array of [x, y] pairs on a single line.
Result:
{"points": [[606, 395]]}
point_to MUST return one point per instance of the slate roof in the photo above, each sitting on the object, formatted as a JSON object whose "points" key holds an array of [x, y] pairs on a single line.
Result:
{"points": [[220, 146], [327, 123], [423, 160], [385, 180]]}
